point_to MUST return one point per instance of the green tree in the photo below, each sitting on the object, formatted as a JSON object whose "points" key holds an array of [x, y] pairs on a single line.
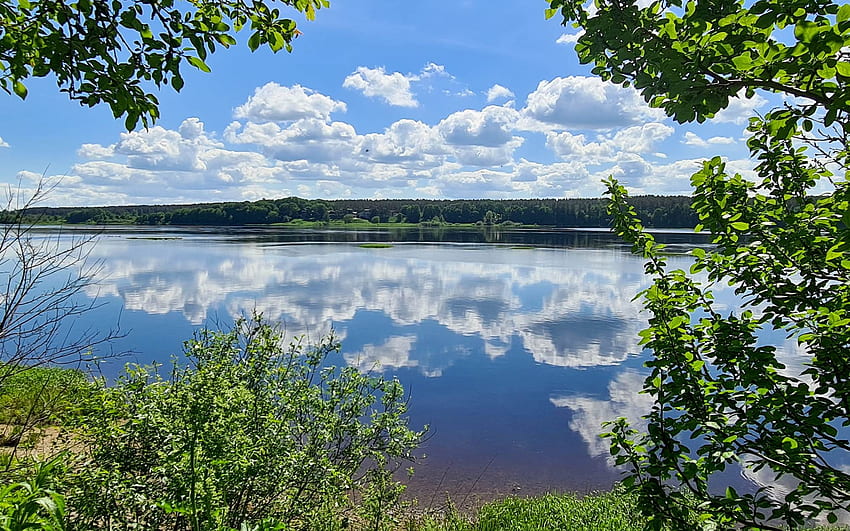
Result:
{"points": [[111, 52], [722, 397]]}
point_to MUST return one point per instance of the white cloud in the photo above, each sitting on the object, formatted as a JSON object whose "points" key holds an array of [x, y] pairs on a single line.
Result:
{"points": [[586, 103], [575, 147], [404, 141], [276, 103], [3, 143], [308, 139], [607, 148], [163, 165], [498, 92], [692, 139], [433, 70], [163, 149], [642, 138], [570, 38], [393, 88], [96, 151], [740, 109], [490, 127]]}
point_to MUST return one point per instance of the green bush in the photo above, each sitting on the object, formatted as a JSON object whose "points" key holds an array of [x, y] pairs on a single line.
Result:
{"points": [[250, 431]]}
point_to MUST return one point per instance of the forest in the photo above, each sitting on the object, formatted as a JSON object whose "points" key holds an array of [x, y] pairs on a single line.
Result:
{"points": [[656, 211]]}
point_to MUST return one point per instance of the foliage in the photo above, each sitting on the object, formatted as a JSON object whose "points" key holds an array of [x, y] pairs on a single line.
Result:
{"points": [[33, 504], [251, 430], [690, 57], [723, 398], [106, 51], [716, 384]]}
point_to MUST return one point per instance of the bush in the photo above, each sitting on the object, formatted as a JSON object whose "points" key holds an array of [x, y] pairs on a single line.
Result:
{"points": [[249, 430]]}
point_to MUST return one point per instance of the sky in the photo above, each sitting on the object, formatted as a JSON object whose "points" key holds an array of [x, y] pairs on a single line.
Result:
{"points": [[445, 100]]}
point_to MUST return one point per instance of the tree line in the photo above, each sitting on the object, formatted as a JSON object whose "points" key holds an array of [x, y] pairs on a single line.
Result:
{"points": [[657, 211]]}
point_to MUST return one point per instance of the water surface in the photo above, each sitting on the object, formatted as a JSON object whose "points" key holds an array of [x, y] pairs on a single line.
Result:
{"points": [[514, 345]]}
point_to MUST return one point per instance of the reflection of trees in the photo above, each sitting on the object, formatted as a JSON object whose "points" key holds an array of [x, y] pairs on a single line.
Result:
{"points": [[567, 308]]}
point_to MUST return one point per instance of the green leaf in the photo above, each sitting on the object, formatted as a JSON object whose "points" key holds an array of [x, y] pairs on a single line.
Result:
{"points": [[740, 225], [19, 89], [198, 63], [843, 68], [254, 41]]}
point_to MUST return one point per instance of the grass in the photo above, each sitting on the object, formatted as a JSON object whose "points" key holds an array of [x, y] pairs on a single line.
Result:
{"points": [[607, 511], [39, 396], [376, 245]]}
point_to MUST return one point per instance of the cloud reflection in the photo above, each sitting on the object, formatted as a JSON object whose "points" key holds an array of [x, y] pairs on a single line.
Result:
{"points": [[566, 308]]}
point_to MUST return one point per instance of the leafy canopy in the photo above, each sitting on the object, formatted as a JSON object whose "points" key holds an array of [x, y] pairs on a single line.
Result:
{"points": [[722, 396], [112, 51]]}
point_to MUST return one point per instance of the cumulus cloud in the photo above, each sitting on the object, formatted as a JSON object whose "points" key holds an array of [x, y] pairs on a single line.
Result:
{"points": [[164, 149], [276, 103], [498, 92], [586, 103], [307, 139], [490, 127], [167, 165], [740, 109], [96, 151], [607, 148], [432, 70], [3, 143], [394, 88], [403, 142], [692, 139], [284, 141]]}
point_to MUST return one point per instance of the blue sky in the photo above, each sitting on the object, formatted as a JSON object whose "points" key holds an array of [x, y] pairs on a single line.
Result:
{"points": [[467, 99]]}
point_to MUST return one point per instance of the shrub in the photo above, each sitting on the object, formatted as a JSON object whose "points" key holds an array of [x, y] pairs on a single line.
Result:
{"points": [[249, 430]]}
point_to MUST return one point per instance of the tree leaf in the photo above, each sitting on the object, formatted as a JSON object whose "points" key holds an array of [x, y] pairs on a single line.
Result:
{"points": [[198, 63]]}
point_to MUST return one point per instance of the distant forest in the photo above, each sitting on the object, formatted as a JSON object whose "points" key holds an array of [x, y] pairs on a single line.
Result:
{"points": [[656, 211]]}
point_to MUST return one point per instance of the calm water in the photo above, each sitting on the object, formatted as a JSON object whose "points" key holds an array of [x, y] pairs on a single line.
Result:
{"points": [[513, 355]]}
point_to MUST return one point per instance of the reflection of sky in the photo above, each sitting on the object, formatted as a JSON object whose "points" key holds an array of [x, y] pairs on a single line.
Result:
{"points": [[513, 356], [481, 335], [567, 308]]}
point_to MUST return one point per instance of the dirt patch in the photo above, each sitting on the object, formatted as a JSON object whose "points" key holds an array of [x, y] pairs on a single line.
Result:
{"points": [[42, 442]]}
